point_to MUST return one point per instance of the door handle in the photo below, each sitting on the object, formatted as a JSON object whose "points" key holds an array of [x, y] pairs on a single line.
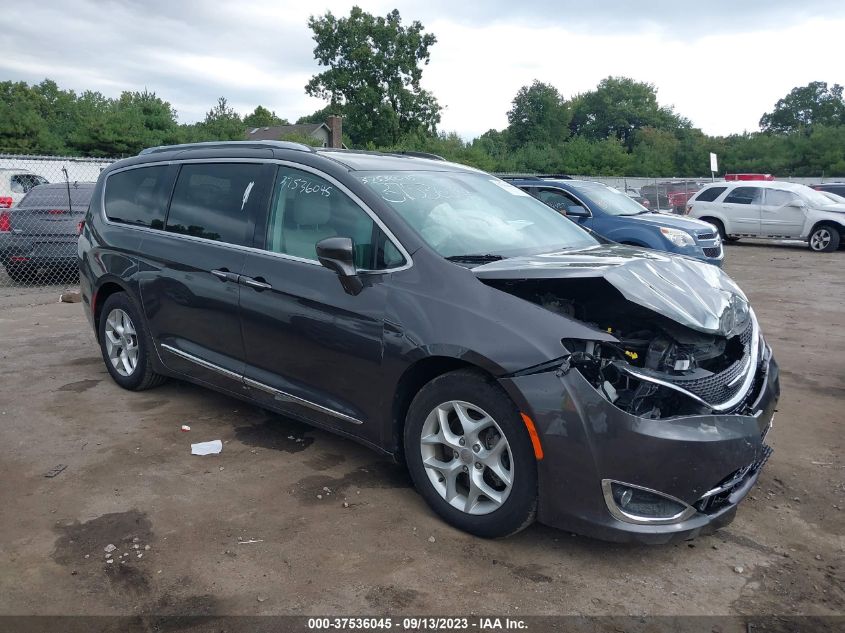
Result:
{"points": [[255, 284], [225, 275]]}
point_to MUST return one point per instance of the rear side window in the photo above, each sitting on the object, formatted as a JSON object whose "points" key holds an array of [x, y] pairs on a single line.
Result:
{"points": [[709, 195], [744, 195], [134, 197], [216, 200]]}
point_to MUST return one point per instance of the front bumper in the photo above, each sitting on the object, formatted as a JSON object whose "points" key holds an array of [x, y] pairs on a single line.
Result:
{"points": [[586, 440]]}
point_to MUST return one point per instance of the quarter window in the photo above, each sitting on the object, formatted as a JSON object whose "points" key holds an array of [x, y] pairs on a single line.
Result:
{"points": [[710, 194], [744, 195], [215, 201], [134, 197], [307, 209]]}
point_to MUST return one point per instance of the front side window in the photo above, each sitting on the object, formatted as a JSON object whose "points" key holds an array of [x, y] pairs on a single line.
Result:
{"points": [[778, 197], [464, 213], [557, 199], [134, 197], [215, 201], [307, 209], [744, 195]]}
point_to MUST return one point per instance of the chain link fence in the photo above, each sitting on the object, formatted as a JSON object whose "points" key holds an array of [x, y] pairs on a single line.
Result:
{"points": [[43, 199], [42, 203]]}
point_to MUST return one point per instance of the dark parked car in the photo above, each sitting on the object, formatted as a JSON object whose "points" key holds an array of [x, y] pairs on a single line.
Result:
{"points": [[831, 187], [614, 215], [518, 365], [40, 233]]}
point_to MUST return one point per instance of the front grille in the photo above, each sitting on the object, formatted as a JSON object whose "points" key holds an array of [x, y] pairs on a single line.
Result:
{"points": [[712, 251], [707, 236], [715, 388]]}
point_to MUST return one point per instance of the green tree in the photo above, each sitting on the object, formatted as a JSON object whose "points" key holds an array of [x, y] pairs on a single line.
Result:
{"points": [[320, 115], [538, 114], [618, 107], [374, 67], [654, 152], [23, 128], [222, 123], [806, 106], [262, 117]]}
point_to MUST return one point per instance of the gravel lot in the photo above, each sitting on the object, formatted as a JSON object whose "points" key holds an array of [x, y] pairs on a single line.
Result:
{"points": [[291, 520]]}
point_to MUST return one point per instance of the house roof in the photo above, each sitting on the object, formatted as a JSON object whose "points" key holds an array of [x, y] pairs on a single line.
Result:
{"points": [[275, 132]]}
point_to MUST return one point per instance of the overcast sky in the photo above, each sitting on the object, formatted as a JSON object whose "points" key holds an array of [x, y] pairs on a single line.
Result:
{"points": [[722, 63]]}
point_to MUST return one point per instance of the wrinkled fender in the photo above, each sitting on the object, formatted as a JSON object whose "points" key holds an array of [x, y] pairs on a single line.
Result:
{"points": [[468, 320]]}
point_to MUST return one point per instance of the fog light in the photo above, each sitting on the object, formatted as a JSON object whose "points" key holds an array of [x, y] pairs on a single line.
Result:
{"points": [[635, 504]]}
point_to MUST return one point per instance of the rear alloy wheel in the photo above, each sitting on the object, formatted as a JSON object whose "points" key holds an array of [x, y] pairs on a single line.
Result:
{"points": [[125, 344], [121, 342], [470, 456], [824, 239]]}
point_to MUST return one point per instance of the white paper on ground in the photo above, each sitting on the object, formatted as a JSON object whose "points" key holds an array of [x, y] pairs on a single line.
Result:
{"points": [[207, 448]]}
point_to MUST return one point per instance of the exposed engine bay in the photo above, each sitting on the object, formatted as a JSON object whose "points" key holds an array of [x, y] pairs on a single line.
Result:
{"points": [[655, 367]]}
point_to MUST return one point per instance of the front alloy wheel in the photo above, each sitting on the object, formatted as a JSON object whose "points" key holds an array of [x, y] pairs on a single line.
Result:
{"points": [[467, 457], [470, 455], [824, 239]]}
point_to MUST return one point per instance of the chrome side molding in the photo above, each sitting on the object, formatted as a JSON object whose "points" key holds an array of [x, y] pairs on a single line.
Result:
{"points": [[254, 384]]}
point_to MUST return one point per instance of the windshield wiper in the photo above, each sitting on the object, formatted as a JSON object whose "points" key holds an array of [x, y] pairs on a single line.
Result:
{"points": [[474, 258]]}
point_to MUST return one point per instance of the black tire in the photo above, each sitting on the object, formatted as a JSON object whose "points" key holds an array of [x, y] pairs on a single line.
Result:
{"points": [[22, 275], [721, 230], [143, 376], [824, 238], [519, 508]]}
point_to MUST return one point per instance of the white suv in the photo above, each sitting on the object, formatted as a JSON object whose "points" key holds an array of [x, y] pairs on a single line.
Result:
{"points": [[15, 184], [771, 209]]}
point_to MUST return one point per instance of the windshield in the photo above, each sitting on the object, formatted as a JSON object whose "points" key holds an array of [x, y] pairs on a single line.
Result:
{"points": [[608, 199], [815, 198], [459, 213]]}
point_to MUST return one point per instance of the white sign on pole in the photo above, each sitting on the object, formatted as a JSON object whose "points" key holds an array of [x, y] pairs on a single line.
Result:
{"points": [[714, 164]]}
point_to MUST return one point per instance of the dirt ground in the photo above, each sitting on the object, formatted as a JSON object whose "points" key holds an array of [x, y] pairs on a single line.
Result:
{"points": [[291, 520]]}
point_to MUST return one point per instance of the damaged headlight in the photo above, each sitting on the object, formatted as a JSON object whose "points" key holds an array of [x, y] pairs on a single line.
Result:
{"points": [[677, 237]]}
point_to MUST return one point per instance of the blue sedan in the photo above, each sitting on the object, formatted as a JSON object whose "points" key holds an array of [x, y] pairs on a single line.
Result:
{"points": [[613, 215]]}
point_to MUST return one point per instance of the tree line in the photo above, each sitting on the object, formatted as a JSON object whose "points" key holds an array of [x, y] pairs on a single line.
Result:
{"points": [[372, 67]]}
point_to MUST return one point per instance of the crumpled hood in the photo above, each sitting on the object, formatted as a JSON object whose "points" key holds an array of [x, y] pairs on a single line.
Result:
{"points": [[690, 292]]}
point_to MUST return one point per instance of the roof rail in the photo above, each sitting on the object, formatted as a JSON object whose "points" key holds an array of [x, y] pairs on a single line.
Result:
{"points": [[414, 154], [228, 144]]}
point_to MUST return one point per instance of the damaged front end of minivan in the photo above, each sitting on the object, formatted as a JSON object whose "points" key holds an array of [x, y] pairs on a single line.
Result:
{"points": [[663, 412]]}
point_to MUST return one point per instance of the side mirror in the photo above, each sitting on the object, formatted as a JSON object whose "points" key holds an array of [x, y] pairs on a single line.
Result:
{"points": [[798, 203], [337, 254], [578, 211]]}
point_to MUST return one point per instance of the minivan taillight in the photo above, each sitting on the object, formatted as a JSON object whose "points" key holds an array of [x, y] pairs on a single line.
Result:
{"points": [[6, 202], [5, 222], [79, 226]]}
